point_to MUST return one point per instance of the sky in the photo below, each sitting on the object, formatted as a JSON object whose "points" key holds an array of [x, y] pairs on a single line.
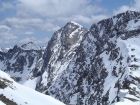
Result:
{"points": [[22, 21]]}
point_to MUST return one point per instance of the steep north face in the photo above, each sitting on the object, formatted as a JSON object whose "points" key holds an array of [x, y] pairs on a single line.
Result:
{"points": [[59, 53]]}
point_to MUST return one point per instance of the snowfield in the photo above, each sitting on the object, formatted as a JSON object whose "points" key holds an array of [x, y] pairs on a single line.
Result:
{"points": [[23, 95], [1, 103]]}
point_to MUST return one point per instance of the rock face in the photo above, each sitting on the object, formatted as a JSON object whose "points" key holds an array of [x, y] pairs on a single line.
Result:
{"points": [[99, 66], [105, 65], [60, 51]]}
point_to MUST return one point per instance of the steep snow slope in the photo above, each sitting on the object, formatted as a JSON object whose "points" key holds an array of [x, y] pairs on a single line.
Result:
{"points": [[105, 66], [22, 95], [1, 103], [21, 63], [59, 52]]}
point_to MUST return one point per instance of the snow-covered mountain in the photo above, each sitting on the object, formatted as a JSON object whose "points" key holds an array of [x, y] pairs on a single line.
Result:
{"points": [[99, 66], [21, 63], [105, 68], [12, 93]]}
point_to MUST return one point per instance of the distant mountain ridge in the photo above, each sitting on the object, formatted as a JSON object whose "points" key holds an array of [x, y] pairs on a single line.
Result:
{"points": [[99, 66], [20, 62], [30, 46]]}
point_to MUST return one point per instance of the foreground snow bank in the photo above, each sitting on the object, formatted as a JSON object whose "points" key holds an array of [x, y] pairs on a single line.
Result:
{"points": [[1, 103], [23, 95]]}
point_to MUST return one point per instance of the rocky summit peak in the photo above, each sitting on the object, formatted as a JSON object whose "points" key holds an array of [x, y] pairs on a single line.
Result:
{"points": [[30, 46], [75, 23]]}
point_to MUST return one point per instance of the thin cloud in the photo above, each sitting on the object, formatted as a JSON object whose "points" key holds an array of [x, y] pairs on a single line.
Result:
{"points": [[56, 8], [6, 6], [29, 32], [7, 38], [4, 28], [22, 26]]}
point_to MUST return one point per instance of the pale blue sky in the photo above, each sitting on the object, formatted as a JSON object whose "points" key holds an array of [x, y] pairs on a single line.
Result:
{"points": [[36, 20]]}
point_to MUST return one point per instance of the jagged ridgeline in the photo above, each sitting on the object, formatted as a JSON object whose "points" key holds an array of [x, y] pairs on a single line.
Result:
{"points": [[99, 66], [21, 63]]}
